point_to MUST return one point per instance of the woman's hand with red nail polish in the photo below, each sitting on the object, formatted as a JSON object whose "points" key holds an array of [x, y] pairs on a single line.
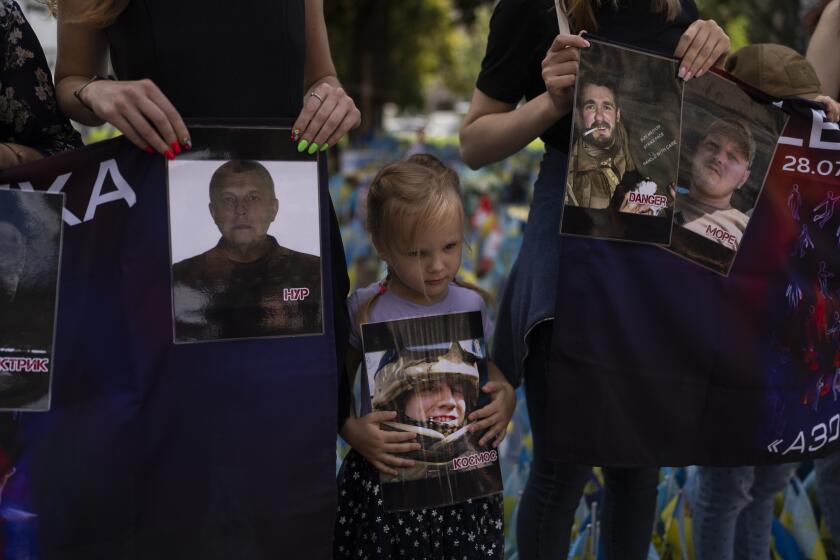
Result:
{"points": [[140, 111]]}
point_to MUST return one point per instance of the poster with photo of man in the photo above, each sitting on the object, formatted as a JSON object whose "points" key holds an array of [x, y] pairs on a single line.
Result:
{"points": [[728, 142], [624, 146], [30, 255], [429, 370], [245, 238]]}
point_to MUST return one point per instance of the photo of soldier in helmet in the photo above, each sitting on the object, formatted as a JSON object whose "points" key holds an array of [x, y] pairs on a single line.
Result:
{"points": [[429, 371], [432, 396]]}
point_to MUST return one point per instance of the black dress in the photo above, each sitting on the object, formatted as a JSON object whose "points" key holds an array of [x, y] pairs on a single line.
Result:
{"points": [[225, 61], [365, 531], [228, 60]]}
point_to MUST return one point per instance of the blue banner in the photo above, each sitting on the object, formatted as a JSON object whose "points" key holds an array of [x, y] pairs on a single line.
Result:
{"points": [[151, 449]]}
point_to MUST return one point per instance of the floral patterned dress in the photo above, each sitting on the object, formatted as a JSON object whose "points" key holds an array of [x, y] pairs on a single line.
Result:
{"points": [[28, 111], [365, 531]]}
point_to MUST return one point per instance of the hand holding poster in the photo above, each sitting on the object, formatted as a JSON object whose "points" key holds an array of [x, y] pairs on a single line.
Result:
{"points": [[429, 370]]}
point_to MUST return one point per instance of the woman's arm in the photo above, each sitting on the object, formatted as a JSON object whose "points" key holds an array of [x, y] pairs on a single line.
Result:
{"points": [[328, 112], [12, 154], [822, 49], [493, 130], [138, 109], [82, 53]]}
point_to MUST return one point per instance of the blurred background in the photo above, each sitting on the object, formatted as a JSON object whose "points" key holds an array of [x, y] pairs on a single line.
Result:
{"points": [[413, 96]]}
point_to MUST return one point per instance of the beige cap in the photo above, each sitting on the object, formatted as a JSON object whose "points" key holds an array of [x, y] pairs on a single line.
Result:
{"points": [[774, 69]]}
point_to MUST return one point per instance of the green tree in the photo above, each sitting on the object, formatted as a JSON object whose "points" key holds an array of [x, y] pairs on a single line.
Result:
{"points": [[759, 21], [387, 50]]}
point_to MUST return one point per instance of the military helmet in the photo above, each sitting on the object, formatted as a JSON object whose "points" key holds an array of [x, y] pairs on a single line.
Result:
{"points": [[409, 371]]}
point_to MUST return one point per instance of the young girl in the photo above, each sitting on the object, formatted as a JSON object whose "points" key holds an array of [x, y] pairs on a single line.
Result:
{"points": [[415, 218]]}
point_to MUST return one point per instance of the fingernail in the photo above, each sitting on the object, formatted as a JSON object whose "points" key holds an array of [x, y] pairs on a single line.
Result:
{"points": [[324, 147], [302, 145], [699, 73], [688, 76], [168, 154], [149, 150], [313, 147], [176, 148], [681, 73], [186, 144], [295, 136]]}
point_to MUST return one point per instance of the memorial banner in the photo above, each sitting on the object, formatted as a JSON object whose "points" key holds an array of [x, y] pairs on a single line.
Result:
{"points": [[702, 369], [153, 449]]}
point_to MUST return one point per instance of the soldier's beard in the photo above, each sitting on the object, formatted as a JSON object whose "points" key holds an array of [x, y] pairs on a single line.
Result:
{"points": [[599, 141]]}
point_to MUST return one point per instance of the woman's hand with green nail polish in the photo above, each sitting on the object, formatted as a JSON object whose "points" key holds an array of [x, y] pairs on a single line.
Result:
{"points": [[328, 114], [302, 145]]}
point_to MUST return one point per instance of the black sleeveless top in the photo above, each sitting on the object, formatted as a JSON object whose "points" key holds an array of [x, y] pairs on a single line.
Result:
{"points": [[215, 59], [521, 31]]}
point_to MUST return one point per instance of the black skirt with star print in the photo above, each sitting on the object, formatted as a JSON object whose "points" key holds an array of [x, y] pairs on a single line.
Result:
{"points": [[365, 531]]}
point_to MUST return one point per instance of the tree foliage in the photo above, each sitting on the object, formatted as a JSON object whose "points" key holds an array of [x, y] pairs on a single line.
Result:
{"points": [[759, 21], [392, 50], [385, 50]]}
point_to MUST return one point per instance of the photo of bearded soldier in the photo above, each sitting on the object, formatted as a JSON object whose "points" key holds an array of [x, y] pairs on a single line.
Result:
{"points": [[433, 396], [600, 155]]}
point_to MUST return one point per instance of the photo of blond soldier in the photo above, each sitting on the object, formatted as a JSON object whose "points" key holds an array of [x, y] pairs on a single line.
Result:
{"points": [[720, 165], [433, 397]]}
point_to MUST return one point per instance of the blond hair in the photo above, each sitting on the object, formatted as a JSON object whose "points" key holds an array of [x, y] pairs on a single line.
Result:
{"points": [[97, 13], [406, 197], [582, 12]]}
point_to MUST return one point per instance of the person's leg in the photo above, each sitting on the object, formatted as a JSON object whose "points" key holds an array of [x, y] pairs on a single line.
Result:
{"points": [[722, 493], [629, 509], [553, 490], [752, 530], [828, 494]]}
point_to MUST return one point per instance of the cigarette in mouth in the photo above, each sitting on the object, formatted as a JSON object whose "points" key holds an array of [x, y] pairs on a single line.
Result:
{"points": [[590, 131]]}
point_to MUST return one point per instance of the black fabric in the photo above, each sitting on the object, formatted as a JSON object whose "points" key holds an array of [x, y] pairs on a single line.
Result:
{"points": [[552, 493], [521, 31], [215, 59], [221, 60], [229, 297]]}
